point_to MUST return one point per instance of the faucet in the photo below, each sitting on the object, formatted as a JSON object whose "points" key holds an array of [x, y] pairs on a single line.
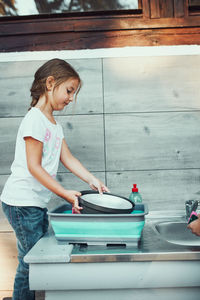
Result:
{"points": [[190, 206]]}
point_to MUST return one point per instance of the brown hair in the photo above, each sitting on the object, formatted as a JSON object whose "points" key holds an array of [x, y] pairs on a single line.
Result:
{"points": [[59, 69]]}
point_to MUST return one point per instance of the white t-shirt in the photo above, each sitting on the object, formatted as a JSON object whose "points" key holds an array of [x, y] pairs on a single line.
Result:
{"points": [[21, 188]]}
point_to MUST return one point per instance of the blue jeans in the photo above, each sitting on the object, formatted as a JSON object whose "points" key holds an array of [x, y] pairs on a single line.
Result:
{"points": [[30, 224]]}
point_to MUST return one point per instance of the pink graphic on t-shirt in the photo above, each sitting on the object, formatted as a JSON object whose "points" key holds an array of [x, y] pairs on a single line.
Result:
{"points": [[47, 135]]}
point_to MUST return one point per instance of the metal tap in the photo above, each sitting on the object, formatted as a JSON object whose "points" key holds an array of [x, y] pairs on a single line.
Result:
{"points": [[190, 206]]}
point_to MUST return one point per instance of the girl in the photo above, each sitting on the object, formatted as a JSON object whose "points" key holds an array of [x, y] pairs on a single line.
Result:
{"points": [[40, 145]]}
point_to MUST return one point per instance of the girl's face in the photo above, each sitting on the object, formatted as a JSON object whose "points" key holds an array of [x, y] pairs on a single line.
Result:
{"points": [[64, 93]]}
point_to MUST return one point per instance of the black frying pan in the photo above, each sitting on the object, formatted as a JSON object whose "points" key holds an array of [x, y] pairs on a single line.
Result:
{"points": [[107, 203]]}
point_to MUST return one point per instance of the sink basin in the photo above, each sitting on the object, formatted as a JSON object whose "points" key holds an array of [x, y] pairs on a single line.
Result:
{"points": [[177, 233]]}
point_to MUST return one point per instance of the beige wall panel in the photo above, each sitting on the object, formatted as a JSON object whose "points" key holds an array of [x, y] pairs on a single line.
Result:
{"points": [[145, 84], [15, 96], [8, 260], [85, 137], [4, 225], [16, 79], [161, 189], [8, 134], [152, 141]]}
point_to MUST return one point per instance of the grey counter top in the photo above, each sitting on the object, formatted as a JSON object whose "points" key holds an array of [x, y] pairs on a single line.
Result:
{"points": [[151, 248]]}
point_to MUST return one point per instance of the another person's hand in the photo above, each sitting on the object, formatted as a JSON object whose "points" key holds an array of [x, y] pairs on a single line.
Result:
{"points": [[97, 185], [195, 226], [72, 197]]}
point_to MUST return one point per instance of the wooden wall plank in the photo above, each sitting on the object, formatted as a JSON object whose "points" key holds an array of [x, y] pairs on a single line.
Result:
{"points": [[152, 141], [161, 189], [167, 83], [179, 8], [75, 31], [104, 23], [105, 39], [9, 129], [155, 9], [166, 8], [15, 101], [146, 9], [85, 137]]}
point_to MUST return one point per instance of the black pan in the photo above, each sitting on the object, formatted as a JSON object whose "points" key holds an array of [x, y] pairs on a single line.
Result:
{"points": [[107, 203]]}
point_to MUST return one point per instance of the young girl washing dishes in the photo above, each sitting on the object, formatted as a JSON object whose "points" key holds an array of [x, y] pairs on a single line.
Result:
{"points": [[40, 145]]}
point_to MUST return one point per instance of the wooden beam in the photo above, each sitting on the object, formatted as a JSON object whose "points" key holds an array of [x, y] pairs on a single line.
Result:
{"points": [[146, 8], [166, 8], [103, 39], [179, 8], [155, 9], [61, 25]]}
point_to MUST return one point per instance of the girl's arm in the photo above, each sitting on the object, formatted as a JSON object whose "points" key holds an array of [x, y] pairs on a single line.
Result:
{"points": [[34, 162], [74, 165]]}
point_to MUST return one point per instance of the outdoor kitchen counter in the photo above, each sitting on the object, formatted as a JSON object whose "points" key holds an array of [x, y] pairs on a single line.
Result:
{"points": [[151, 248], [154, 270]]}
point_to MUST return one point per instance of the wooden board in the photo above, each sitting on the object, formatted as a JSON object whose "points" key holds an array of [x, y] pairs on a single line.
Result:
{"points": [[145, 84], [161, 189], [152, 141]]}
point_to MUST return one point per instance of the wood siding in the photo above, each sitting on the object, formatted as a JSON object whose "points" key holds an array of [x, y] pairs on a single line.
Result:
{"points": [[159, 22]]}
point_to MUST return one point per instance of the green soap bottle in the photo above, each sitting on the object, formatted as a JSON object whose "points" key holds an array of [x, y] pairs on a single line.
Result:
{"points": [[135, 196]]}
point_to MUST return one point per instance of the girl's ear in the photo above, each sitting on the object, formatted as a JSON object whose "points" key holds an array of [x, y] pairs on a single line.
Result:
{"points": [[50, 82]]}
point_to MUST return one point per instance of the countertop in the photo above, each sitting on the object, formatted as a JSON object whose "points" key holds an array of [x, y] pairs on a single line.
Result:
{"points": [[151, 247]]}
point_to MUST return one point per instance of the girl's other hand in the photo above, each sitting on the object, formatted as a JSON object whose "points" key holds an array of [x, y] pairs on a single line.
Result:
{"points": [[72, 197], [97, 185], [195, 226]]}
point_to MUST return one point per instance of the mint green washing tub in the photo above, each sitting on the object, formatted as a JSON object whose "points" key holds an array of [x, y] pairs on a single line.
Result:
{"points": [[95, 229]]}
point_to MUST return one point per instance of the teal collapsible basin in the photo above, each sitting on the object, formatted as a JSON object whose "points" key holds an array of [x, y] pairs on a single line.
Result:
{"points": [[96, 229]]}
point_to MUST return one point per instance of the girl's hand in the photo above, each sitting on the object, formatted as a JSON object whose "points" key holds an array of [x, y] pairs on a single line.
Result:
{"points": [[97, 185], [72, 197], [195, 226]]}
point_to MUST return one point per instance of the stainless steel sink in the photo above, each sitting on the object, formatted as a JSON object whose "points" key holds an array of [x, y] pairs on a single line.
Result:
{"points": [[177, 233]]}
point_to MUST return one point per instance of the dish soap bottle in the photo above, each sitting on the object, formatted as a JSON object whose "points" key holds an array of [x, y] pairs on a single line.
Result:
{"points": [[135, 196]]}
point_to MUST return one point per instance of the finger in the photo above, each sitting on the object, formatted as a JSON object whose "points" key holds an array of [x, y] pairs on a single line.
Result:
{"points": [[105, 189], [78, 194], [100, 190], [94, 187]]}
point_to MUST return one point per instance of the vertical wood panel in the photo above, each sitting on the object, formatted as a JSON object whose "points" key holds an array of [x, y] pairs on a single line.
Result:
{"points": [[186, 8], [146, 9], [179, 8], [166, 8], [155, 9]]}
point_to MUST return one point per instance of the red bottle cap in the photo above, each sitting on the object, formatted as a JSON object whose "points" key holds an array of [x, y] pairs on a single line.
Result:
{"points": [[135, 189]]}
